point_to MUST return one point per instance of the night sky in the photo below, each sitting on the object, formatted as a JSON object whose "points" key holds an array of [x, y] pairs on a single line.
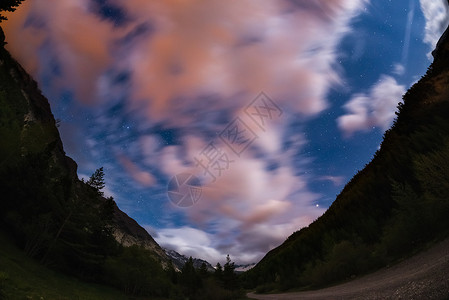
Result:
{"points": [[258, 113]]}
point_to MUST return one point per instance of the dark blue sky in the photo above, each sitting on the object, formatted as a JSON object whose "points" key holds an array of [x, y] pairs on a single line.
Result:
{"points": [[153, 90]]}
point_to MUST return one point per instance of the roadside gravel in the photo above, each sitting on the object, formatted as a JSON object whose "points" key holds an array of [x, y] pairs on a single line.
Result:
{"points": [[423, 276]]}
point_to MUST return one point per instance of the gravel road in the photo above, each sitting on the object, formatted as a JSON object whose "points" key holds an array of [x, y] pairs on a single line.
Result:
{"points": [[423, 276]]}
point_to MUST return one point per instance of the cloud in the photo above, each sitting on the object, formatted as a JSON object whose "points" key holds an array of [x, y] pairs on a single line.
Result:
{"points": [[189, 242], [194, 49], [244, 247], [191, 67], [398, 69], [248, 200], [142, 177], [66, 35], [336, 180], [374, 109], [436, 15]]}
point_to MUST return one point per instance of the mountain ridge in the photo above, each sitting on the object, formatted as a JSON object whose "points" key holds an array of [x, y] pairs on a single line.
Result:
{"points": [[179, 260]]}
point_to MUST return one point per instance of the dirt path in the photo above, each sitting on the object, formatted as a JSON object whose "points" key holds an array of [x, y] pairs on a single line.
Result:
{"points": [[423, 276]]}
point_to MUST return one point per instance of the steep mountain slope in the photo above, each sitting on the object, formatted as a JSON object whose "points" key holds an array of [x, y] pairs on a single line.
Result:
{"points": [[128, 232], [33, 165], [390, 209]]}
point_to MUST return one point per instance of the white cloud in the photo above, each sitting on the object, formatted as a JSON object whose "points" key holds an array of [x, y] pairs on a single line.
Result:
{"points": [[399, 69], [375, 109], [336, 180], [190, 242], [436, 15]]}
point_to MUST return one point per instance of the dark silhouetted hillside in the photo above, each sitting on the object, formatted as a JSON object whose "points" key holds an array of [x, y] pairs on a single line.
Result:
{"points": [[54, 217]]}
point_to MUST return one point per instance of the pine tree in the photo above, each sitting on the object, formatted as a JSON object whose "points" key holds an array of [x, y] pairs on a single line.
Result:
{"points": [[8, 5], [190, 280], [203, 270], [218, 272], [97, 180], [229, 276]]}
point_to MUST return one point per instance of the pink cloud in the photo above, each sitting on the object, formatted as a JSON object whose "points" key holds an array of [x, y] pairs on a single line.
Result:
{"points": [[197, 48], [77, 39], [142, 177], [336, 180], [237, 48]]}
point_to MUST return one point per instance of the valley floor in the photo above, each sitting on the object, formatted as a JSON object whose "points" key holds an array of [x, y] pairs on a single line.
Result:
{"points": [[423, 276]]}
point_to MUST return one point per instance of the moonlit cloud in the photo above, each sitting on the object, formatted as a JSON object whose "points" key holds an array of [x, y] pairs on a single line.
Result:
{"points": [[192, 67], [374, 109], [398, 69], [436, 15], [189, 242], [336, 180]]}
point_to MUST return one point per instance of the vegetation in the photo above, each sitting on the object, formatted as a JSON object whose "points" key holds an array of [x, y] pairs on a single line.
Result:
{"points": [[200, 284], [393, 207], [8, 5], [21, 277]]}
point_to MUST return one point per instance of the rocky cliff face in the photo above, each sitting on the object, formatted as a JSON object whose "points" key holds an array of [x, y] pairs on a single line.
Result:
{"points": [[27, 125], [128, 232]]}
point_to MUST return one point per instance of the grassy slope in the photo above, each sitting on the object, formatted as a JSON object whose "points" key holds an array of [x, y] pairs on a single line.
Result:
{"points": [[23, 278]]}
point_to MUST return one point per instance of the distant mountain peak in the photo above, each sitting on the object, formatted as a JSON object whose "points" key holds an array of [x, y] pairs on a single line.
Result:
{"points": [[179, 260]]}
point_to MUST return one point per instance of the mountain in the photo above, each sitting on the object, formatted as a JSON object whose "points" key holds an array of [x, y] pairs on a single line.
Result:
{"points": [[179, 260], [128, 232], [45, 207], [244, 268], [389, 210]]}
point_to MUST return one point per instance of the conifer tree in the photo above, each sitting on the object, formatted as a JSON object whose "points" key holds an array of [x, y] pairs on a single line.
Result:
{"points": [[8, 5], [229, 276], [97, 180]]}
